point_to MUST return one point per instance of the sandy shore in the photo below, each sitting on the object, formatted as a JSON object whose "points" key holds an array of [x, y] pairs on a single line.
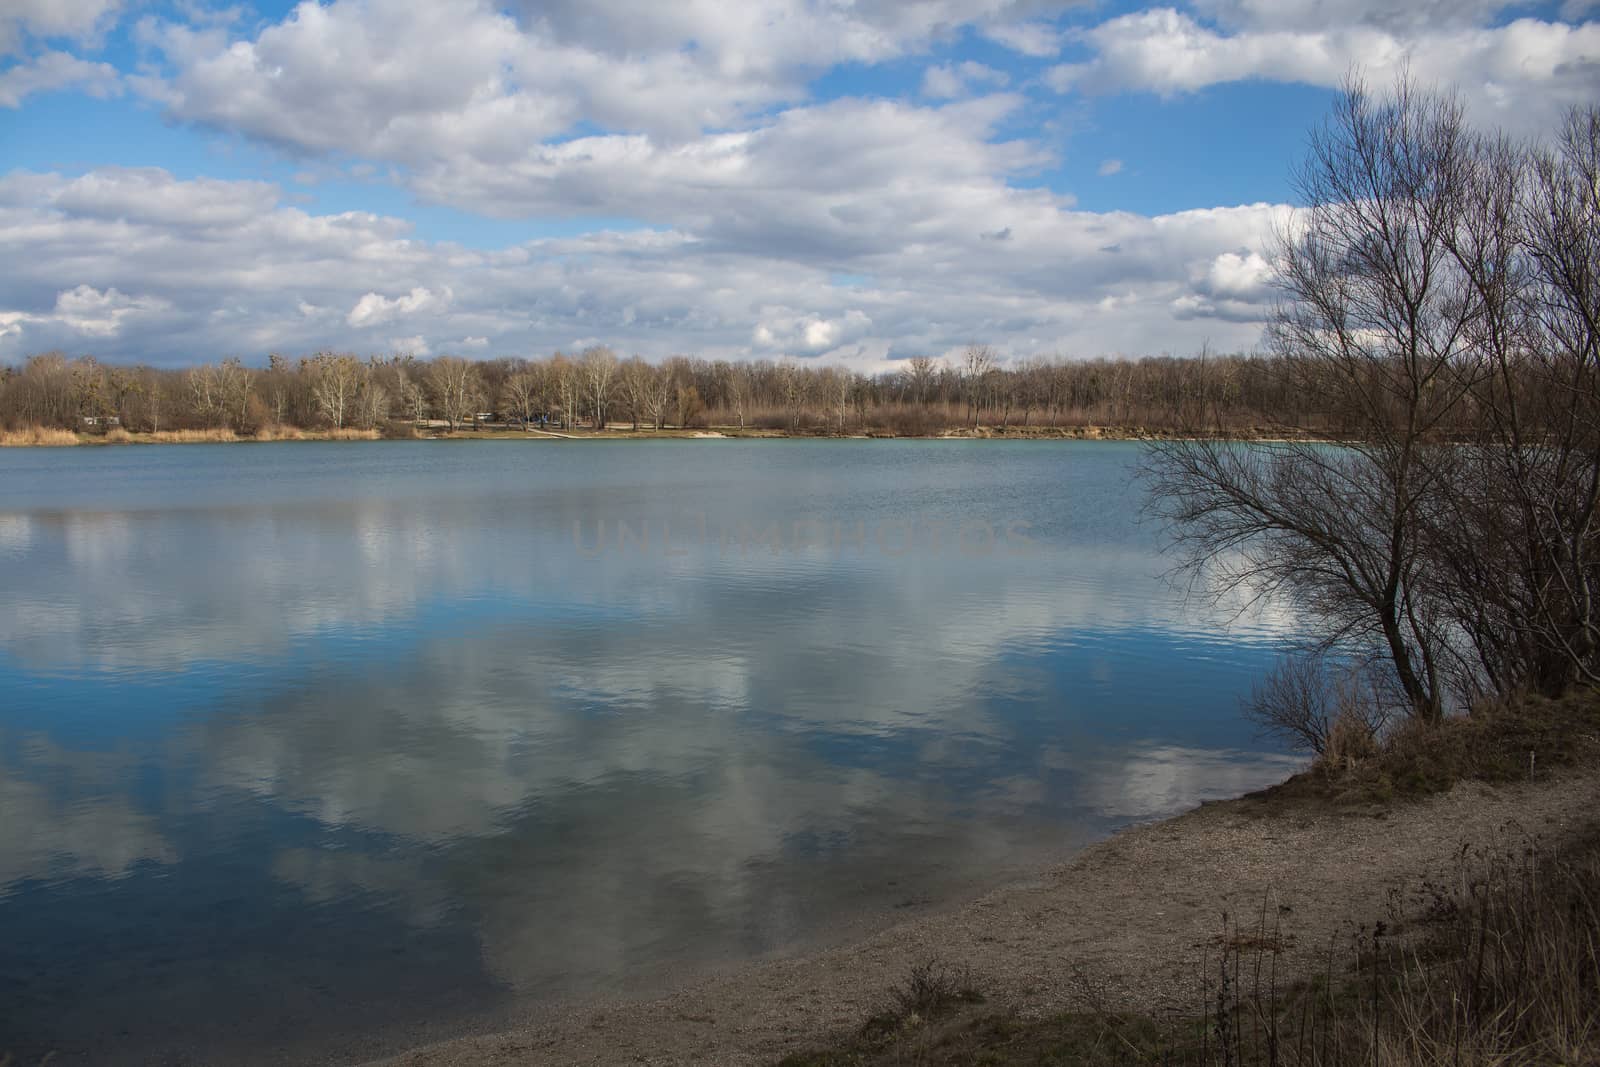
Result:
{"points": [[1132, 914]]}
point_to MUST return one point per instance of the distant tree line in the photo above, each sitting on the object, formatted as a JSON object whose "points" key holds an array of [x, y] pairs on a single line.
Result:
{"points": [[596, 388]]}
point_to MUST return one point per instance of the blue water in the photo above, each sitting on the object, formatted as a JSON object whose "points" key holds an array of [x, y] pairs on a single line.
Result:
{"points": [[322, 749]]}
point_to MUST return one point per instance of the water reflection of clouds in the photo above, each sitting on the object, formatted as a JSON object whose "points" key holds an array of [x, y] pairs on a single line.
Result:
{"points": [[16, 534], [1151, 780], [154, 591], [598, 765], [443, 742], [52, 832]]}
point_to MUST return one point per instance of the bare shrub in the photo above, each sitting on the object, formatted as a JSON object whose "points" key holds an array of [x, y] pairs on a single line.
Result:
{"points": [[1293, 703], [930, 989], [1316, 705]]}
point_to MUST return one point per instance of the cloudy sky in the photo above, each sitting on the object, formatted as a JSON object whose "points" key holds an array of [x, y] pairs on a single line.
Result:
{"points": [[855, 180]]}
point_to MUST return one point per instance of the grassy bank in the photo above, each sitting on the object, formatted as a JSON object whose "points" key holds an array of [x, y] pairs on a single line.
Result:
{"points": [[1497, 964]]}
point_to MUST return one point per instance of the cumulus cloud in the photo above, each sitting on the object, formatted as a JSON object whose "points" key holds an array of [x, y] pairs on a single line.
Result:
{"points": [[895, 173], [46, 19], [152, 196], [1314, 14], [1245, 275], [375, 310], [101, 314], [52, 71], [948, 80], [1522, 74], [1036, 39], [780, 330], [342, 77], [1108, 167], [1235, 286], [746, 197], [98, 257]]}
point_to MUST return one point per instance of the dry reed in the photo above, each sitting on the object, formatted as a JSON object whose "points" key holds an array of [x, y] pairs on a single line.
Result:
{"points": [[37, 436]]}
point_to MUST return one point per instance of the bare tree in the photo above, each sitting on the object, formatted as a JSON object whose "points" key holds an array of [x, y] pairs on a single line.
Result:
{"points": [[1516, 535], [456, 388], [736, 379], [233, 392], [658, 398], [1376, 318], [976, 364], [920, 371], [569, 387], [372, 396], [335, 380], [525, 393], [599, 373], [636, 381]]}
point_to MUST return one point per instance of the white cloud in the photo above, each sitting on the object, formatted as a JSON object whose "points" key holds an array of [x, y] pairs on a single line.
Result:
{"points": [[1385, 14], [101, 314], [415, 345], [781, 331], [1108, 167], [895, 175], [149, 195], [1521, 75], [1235, 286], [375, 310], [111, 266], [947, 80], [342, 78], [1036, 39], [52, 71], [11, 323], [1246, 276], [53, 19]]}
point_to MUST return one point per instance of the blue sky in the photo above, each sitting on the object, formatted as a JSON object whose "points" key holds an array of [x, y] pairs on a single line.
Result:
{"points": [[856, 181]]}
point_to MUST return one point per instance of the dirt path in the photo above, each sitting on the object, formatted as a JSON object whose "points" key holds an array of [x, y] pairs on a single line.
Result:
{"points": [[1130, 913]]}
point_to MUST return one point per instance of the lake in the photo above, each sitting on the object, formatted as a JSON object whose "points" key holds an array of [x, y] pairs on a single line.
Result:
{"points": [[323, 749]]}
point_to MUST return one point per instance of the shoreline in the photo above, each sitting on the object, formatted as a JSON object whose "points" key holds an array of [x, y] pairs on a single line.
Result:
{"points": [[1131, 915], [38, 438]]}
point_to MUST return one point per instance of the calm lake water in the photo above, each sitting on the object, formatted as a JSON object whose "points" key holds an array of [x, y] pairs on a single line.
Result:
{"points": [[330, 748]]}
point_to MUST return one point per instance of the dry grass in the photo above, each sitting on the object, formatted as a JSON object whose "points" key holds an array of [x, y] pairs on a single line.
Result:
{"points": [[1521, 741], [295, 433], [185, 437], [280, 433], [37, 436]]}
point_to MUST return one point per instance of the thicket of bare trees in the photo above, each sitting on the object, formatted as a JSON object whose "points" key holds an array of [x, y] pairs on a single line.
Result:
{"points": [[924, 395], [1442, 299]]}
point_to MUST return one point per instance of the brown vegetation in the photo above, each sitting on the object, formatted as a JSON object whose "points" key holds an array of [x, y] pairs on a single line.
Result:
{"points": [[31, 436], [1524, 740]]}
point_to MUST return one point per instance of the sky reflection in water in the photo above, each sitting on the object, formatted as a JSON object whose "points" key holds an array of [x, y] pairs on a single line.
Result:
{"points": [[332, 747]]}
